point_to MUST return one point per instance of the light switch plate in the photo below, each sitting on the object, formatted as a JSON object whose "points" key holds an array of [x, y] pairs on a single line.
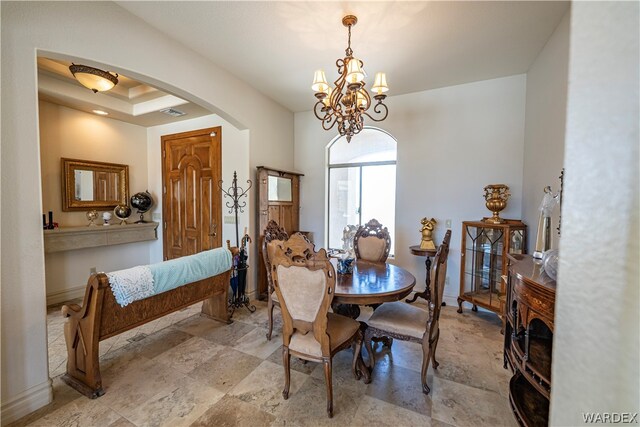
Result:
{"points": [[447, 223], [229, 219], [157, 216]]}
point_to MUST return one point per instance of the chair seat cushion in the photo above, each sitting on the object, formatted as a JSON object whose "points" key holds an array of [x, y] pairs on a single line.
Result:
{"points": [[400, 318], [274, 296], [339, 328]]}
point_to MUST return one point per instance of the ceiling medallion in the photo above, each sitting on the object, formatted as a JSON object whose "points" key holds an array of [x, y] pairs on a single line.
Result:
{"points": [[347, 103], [94, 78]]}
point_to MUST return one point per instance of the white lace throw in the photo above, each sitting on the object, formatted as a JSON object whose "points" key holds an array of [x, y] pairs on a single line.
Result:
{"points": [[131, 284]]}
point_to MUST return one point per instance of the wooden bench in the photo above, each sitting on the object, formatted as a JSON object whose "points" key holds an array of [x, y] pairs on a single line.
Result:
{"points": [[101, 317]]}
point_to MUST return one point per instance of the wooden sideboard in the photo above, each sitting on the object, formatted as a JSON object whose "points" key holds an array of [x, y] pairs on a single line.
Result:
{"points": [[528, 338]]}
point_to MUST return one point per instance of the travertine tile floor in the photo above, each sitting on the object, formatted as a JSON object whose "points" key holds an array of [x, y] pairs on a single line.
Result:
{"points": [[186, 369]]}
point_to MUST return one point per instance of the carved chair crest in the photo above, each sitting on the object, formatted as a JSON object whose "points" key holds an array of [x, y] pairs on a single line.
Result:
{"points": [[367, 246]]}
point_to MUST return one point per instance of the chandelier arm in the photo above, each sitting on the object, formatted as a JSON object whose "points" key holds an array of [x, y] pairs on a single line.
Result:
{"points": [[329, 122], [382, 110]]}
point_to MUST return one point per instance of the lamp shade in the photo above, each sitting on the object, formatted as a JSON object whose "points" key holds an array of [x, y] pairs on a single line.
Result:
{"points": [[355, 74], [380, 83], [319, 82], [93, 78]]}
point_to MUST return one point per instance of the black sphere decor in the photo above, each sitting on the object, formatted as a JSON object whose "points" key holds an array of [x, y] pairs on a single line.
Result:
{"points": [[142, 202]]}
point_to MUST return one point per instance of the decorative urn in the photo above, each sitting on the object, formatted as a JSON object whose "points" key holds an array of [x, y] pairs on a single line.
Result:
{"points": [[496, 196]]}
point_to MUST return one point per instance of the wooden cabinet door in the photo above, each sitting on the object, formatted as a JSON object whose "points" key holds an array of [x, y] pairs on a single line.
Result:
{"points": [[285, 213], [191, 205]]}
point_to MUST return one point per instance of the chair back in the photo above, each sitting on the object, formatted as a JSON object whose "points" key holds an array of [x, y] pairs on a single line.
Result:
{"points": [[273, 234], [304, 281], [438, 278], [372, 242]]}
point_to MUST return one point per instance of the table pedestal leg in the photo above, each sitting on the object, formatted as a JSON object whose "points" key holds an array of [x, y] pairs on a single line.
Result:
{"points": [[427, 291]]}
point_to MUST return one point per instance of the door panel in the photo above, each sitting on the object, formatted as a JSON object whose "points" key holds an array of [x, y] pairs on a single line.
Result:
{"points": [[192, 200]]}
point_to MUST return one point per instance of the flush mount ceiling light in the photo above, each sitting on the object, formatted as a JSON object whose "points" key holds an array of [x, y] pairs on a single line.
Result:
{"points": [[93, 78], [100, 112], [347, 103]]}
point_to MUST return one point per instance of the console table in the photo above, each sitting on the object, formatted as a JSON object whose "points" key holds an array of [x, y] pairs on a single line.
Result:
{"points": [[70, 238], [528, 338]]}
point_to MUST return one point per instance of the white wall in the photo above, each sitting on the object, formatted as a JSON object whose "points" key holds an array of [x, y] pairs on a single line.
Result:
{"points": [[451, 143], [235, 157], [596, 349], [77, 31], [65, 132], [545, 128]]}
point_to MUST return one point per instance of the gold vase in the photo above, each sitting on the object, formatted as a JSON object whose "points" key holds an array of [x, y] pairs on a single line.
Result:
{"points": [[496, 196]]}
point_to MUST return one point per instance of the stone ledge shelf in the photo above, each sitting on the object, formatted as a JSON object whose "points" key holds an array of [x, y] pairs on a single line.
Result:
{"points": [[71, 238]]}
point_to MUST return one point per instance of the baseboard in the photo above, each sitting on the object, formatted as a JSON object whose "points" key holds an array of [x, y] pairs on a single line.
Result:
{"points": [[26, 402], [65, 295], [450, 300]]}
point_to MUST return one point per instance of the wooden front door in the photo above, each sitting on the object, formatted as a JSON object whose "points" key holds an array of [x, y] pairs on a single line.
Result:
{"points": [[191, 207]]}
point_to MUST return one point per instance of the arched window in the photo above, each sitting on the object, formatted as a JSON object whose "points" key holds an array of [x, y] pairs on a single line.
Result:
{"points": [[362, 183]]}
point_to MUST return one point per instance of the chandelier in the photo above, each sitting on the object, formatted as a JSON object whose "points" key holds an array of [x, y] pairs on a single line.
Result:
{"points": [[348, 101]]}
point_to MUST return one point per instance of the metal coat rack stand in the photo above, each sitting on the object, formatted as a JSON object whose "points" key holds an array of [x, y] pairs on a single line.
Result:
{"points": [[240, 266]]}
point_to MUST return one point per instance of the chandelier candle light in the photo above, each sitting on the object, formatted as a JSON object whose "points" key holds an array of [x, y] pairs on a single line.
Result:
{"points": [[347, 103]]}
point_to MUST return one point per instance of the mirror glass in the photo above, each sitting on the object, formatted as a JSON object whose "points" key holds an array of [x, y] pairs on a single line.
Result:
{"points": [[93, 185], [279, 189]]}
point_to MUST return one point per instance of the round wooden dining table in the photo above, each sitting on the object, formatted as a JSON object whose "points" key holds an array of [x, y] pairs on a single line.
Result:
{"points": [[371, 284]]}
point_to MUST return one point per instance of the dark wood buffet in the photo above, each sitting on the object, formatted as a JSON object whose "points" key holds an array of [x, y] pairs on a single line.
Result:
{"points": [[528, 338]]}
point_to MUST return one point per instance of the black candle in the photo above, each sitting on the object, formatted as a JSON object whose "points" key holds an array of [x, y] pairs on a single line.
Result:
{"points": [[44, 221], [50, 227]]}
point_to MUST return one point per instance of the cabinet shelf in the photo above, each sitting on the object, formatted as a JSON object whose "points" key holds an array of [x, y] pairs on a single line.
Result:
{"points": [[529, 406]]}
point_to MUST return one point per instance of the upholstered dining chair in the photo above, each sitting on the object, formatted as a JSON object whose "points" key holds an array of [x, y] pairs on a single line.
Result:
{"points": [[273, 235], [304, 281], [412, 323], [372, 242]]}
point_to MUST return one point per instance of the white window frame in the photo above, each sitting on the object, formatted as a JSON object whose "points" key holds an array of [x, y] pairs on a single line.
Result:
{"points": [[329, 166]]}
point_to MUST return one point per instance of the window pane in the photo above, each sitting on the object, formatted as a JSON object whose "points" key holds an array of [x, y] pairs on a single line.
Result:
{"points": [[344, 197], [370, 145], [379, 196]]}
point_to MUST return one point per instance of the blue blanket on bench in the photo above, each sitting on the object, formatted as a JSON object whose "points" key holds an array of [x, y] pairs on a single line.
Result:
{"points": [[142, 282]]}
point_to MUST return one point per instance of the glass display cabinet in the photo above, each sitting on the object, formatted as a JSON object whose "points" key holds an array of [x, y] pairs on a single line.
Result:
{"points": [[484, 261]]}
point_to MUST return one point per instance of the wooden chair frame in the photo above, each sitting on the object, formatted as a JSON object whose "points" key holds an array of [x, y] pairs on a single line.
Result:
{"points": [[431, 335], [373, 229], [299, 251], [272, 235]]}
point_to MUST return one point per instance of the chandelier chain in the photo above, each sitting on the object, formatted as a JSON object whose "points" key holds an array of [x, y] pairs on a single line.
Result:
{"points": [[349, 51]]}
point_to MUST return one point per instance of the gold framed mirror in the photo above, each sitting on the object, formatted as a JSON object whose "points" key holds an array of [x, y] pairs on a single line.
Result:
{"points": [[90, 185]]}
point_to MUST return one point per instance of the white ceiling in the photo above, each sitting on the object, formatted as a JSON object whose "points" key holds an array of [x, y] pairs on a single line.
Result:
{"points": [[276, 46], [129, 101]]}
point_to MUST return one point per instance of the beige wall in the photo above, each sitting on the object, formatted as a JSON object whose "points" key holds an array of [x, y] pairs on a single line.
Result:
{"points": [[545, 128], [77, 31], [451, 143], [596, 349], [65, 132]]}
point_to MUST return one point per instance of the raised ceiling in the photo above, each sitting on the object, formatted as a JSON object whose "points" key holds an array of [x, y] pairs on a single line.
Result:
{"points": [[276, 46], [129, 101]]}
